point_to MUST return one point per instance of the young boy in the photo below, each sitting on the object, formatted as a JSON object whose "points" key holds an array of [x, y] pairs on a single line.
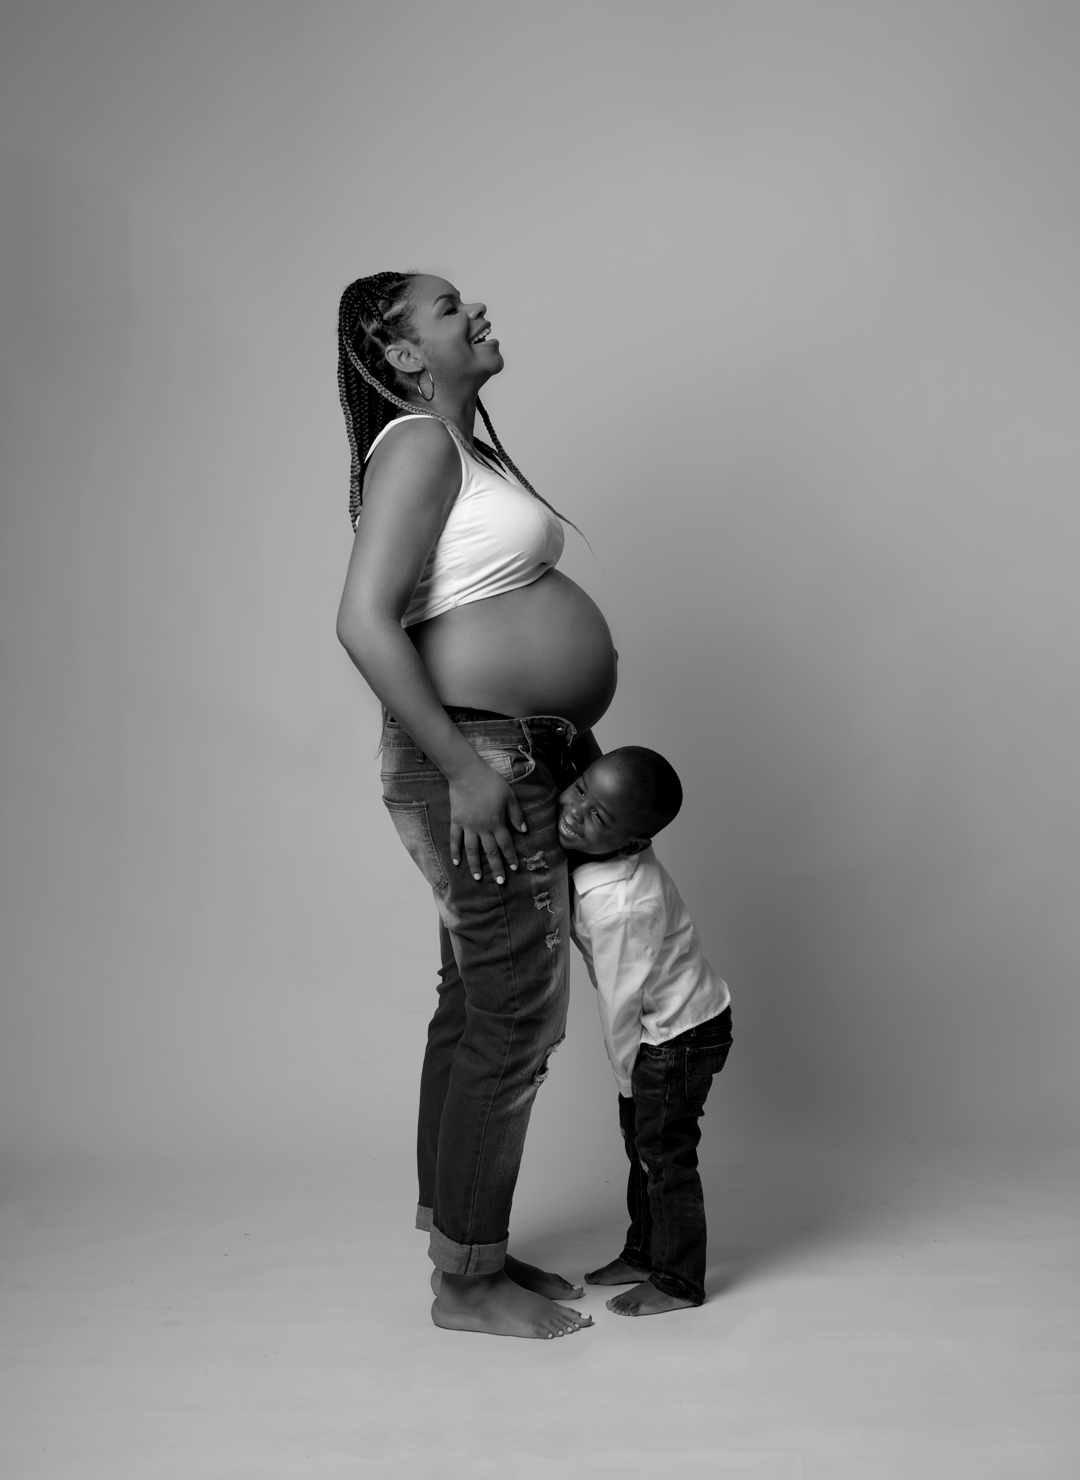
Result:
{"points": [[665, 1013]]}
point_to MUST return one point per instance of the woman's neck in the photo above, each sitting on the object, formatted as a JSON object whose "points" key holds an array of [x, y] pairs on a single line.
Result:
{"points": [[458, 407]]}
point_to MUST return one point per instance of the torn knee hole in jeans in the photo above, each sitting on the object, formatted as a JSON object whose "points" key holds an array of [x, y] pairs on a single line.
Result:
{"points": [[552, 940], [542, 901], [542, 1073], [536, 861]]}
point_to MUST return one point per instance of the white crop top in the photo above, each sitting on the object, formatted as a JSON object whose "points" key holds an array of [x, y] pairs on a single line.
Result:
{"points": [[497, 537]]}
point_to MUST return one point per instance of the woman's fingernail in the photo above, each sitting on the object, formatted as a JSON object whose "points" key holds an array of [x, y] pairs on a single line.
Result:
{"points": [[476, 876], [455, 861], [513, 868], [522, 827], [499, 879]]}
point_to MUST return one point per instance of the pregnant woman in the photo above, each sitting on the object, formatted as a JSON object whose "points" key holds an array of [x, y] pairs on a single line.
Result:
{"points": [[492, 668]]}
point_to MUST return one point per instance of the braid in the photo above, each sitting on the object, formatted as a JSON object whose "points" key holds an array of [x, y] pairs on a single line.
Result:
{"points": [[505, 460], [374, 311], [367, 323]]}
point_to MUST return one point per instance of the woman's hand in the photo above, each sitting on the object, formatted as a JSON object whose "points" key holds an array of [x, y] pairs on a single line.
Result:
{"points": [[481, 804]]}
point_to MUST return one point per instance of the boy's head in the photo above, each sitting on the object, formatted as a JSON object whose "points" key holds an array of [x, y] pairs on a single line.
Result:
{"points": [[619, 804]]}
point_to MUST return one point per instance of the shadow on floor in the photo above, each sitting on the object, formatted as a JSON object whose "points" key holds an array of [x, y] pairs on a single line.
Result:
{"points": [[766, 1210]]}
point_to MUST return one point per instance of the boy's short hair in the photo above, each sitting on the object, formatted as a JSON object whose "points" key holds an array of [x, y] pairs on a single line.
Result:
{"points": [[655, 787]]}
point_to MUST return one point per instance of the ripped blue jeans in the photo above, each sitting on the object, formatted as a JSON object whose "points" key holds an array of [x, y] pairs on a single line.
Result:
{"points": [[504, 982]]}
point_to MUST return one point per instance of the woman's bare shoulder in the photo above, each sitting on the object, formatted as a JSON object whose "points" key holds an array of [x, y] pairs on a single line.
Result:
{"points": [[416, 466], [422, 440]]}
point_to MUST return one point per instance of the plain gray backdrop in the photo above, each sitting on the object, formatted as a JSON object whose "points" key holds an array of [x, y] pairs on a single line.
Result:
{"points": [[789, 303]]}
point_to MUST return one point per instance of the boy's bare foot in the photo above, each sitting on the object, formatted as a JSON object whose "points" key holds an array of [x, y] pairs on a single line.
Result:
{"points": [[551, 1286], [540, 1282], [494, 1304], [646, 1300], [618, 1272]]}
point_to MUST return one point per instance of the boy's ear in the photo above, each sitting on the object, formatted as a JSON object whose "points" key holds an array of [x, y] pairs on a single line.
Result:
{"points": [[634, 845]]}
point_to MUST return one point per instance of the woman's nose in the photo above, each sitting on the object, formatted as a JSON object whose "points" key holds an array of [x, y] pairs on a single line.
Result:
{"points": [[476, 310]]}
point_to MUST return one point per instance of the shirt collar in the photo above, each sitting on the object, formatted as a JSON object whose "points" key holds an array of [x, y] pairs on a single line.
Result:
{"points": [[607, 871]]}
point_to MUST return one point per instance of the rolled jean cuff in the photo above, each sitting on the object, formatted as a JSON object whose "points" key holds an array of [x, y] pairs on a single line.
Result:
{"points": [[423, 1218], [671, 1284], [454, 1258]]}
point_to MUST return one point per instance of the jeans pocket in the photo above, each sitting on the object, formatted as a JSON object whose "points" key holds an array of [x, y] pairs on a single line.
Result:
{"points": [[414, 830], [702, 1064], [511, 765], [653, 1073]]}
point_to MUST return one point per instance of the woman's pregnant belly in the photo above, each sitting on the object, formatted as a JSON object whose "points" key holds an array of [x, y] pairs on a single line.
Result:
{"points": [[544, 649]]}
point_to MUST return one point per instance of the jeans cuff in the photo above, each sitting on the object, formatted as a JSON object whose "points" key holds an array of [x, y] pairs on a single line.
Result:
{"points": [[454, 1258], [423, 1218], [671, 1284], [636, 1260]]}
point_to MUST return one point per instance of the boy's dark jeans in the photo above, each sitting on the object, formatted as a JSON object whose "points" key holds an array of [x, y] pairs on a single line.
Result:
{"points": [[661, 1130]]}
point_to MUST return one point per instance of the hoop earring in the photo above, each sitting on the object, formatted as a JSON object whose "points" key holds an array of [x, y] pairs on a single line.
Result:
{"points": [[419, 388]]}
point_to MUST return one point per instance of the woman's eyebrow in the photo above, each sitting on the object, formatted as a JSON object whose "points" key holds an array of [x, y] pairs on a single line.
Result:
{"points": [[440, 296]]}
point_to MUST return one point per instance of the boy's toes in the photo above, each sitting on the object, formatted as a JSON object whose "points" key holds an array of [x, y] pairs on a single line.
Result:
{"points": [[541, 1281]]}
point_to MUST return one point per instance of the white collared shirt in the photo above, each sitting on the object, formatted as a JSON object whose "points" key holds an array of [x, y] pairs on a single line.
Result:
{"points": [[644, 957]]}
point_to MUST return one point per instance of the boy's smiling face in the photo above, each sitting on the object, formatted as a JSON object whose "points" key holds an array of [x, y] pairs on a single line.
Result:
{"points": [[598, 814]]}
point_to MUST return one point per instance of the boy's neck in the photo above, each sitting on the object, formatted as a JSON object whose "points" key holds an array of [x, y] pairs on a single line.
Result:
{"points": [[574, 860]]}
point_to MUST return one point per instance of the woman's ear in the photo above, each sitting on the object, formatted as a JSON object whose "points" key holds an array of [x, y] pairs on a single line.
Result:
{"points": [[402, 356]]}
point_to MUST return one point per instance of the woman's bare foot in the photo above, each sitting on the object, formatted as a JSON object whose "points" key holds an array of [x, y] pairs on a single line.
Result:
{"points": [[646, 1300], [540, 1282], [618, 1272], [551, 1286], [494, 1304]]}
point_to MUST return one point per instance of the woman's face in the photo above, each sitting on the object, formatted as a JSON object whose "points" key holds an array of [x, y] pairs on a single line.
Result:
{"points": [[455, 339]]}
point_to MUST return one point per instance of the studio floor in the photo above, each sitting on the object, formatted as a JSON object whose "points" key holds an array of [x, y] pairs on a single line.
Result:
{"points": [[913, 1322]]}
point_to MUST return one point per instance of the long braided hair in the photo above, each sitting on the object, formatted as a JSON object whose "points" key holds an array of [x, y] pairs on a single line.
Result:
{"points": [[374, 312]]}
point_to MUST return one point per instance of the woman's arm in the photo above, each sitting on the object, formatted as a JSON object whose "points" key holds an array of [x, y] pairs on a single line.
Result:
{"points": [[411, 483]]}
